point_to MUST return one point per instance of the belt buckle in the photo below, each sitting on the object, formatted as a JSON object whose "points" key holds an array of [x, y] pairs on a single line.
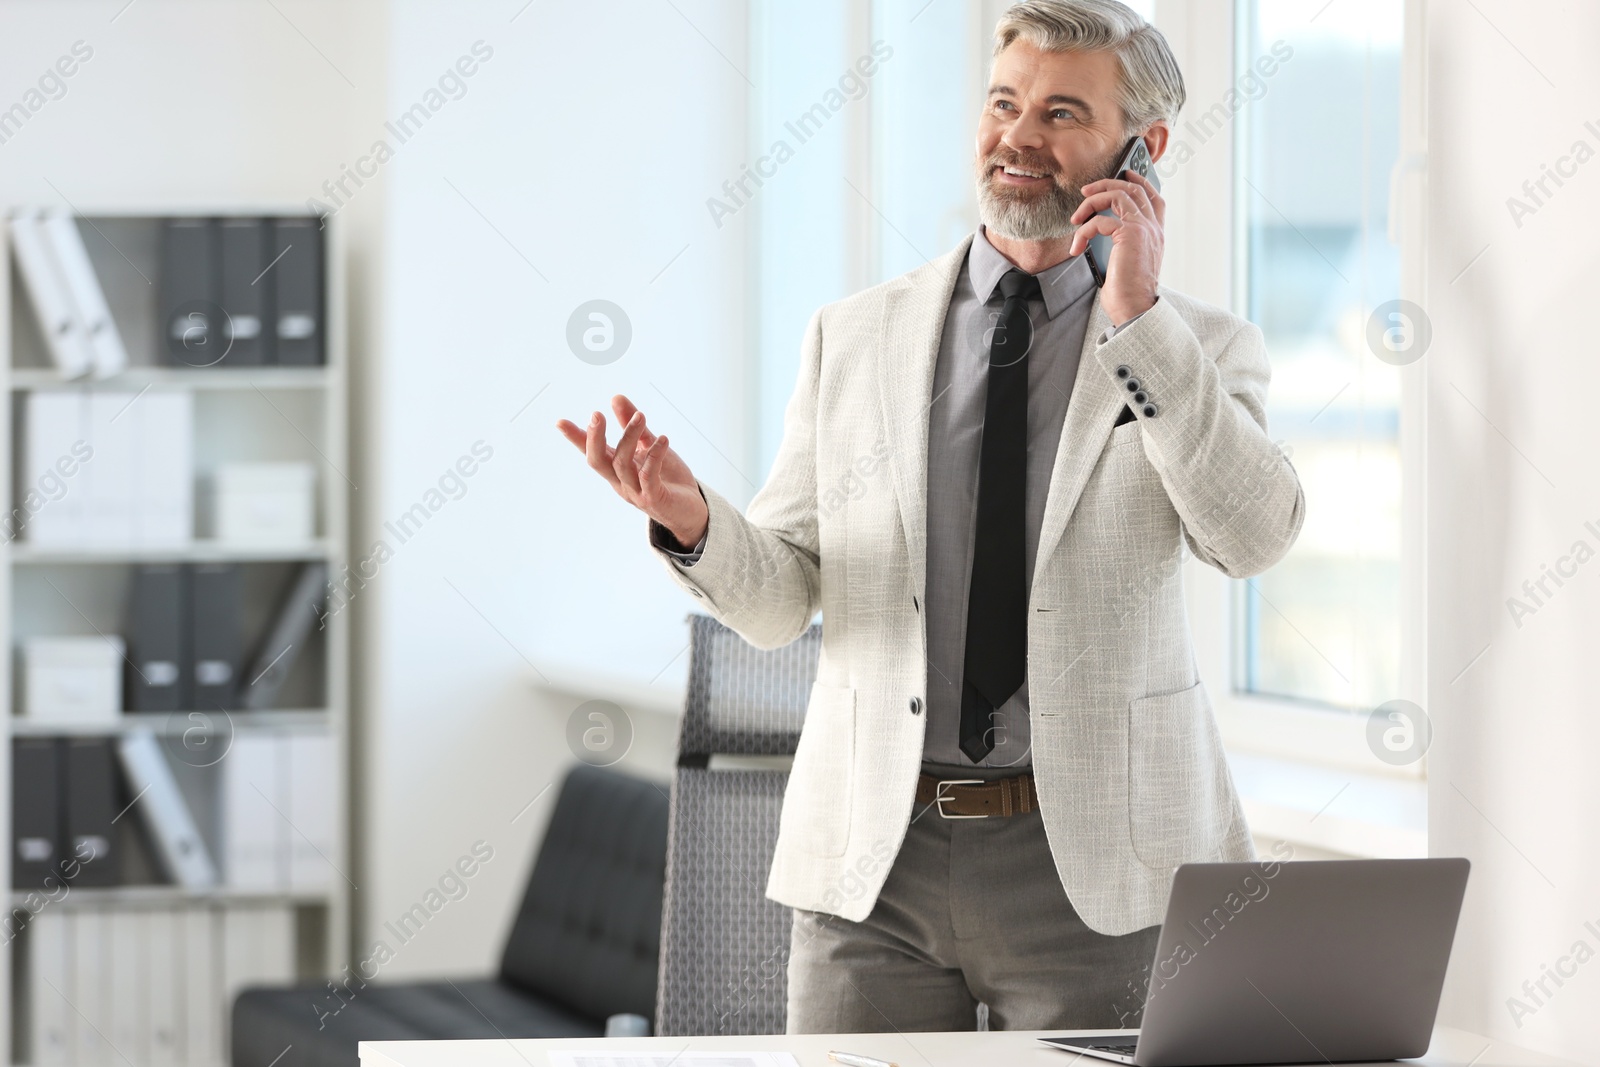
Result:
{"points": [[940, 797]]}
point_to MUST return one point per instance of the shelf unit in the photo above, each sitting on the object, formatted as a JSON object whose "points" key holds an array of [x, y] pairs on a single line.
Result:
{"points": [[295, 413]]}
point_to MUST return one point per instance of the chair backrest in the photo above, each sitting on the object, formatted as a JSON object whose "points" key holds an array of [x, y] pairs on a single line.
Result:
{"points": [[588, 933], [724, 945]]}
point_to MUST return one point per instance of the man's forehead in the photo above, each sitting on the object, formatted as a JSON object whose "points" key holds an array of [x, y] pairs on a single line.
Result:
{"points": [[1024, 71]]}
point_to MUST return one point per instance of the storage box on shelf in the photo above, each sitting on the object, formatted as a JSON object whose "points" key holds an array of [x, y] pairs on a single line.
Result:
{"points": [[265, 503], [73, 680], [185, 500]]}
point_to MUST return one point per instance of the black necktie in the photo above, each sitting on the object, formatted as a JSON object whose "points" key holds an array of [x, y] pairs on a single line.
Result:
{"points": [[997, 601]]}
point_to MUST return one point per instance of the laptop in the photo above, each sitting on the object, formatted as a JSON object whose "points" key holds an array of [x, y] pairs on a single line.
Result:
{"points": [[1309, 962]]}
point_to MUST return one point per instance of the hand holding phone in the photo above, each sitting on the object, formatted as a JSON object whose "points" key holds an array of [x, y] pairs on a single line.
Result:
{"points": [[1135, 157]]}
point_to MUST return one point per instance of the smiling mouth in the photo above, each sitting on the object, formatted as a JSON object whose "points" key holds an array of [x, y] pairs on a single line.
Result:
{"points": [[1021, 176]]}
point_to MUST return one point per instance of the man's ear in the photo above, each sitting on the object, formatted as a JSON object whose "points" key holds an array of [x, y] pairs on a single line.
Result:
{"points": [[1156, 139]]}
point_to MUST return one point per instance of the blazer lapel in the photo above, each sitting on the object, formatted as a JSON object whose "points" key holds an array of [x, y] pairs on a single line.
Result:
{"points": [[914, 311], [1091, 414]]}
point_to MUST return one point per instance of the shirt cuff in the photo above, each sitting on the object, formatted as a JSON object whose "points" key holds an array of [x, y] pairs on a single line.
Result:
{"points": [[662, 538], [1111, 331]]}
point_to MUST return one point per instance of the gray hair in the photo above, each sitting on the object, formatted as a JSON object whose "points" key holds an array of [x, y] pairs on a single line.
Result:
{"points": [[1152, 85]]}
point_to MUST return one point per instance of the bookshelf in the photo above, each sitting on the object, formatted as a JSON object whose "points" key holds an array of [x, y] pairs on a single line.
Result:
{"points": [[258, 413]]}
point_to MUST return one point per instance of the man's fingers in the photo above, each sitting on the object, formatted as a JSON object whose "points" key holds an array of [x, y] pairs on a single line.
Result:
{"points": [[623, 461], [1141, 199], [595, 449], [650, 470], [625, 410], [1117, 200], [1094, 224], [1157, 204], [570, 431]]}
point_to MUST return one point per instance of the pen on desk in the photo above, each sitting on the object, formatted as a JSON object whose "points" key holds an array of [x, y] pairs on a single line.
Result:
{"points": [[851, 1059]]}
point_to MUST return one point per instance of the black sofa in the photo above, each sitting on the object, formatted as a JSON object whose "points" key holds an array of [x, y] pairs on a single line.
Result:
{"points": [[584, 946]]}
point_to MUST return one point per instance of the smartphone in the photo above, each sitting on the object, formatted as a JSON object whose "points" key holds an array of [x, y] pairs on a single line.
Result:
{"points": [[1135, 157]]}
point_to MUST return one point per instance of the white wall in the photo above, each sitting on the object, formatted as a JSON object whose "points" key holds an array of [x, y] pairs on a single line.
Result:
{"points": [[187, 101], [573, 168], [1511, 447], [595, 165]]}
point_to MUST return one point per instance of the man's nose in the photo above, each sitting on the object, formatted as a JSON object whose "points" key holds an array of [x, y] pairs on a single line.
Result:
{"points": [[1026, 132]]}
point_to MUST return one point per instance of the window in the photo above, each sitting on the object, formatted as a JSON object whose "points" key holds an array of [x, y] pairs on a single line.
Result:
{"points": [[1314, 154], [871, 188], [803, 150], [886, 183]]}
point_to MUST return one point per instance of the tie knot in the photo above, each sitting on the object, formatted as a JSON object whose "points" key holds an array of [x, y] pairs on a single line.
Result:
{"points": [[1019, 283]]}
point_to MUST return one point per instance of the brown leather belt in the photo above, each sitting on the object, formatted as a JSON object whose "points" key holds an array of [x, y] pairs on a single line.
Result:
{"points": [[969, 798]]}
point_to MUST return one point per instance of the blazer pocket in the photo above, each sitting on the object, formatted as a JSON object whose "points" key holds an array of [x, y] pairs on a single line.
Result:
{"points": [[1126, 433], [816, 804], [1180, 798]]}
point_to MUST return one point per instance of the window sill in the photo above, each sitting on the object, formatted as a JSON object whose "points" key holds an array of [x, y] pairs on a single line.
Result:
{"points": [[1352, 813]]}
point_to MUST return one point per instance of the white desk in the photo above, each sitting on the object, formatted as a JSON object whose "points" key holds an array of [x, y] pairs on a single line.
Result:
{"points": [[1451, 1048]]}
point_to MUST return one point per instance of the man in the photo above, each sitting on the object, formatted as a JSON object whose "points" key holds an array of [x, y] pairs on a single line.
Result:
{"points": [[988, 471]]}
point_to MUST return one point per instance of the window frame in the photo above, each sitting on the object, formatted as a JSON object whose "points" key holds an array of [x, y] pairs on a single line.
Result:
{"points": [[1207, 264]]}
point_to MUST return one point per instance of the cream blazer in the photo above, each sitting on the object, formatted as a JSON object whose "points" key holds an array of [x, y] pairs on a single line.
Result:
{"points": [[1129, 767]]}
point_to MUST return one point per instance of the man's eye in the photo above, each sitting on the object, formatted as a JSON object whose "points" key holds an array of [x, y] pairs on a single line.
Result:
{"points": [[1061, 112]]}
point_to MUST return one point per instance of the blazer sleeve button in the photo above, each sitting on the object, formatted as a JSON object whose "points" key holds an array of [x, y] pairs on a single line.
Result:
{"points": [[1150, 411], [1124, 372], [916, 705]]}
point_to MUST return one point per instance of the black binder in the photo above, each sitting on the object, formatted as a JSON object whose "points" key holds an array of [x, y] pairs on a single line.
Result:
{"points": [[35, 813], [242, 251], [190, 334], [297, 291], [91, 791], [157, 675], [216, 635]]}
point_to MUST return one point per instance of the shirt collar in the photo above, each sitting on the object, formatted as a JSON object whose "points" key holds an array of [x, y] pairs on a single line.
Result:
{"points": [[1062, 285]]}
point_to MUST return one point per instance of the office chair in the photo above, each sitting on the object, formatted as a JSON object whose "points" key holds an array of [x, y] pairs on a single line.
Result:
{"points": [[724, 945]]}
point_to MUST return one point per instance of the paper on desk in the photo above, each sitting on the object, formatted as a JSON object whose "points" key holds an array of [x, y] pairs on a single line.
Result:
{"points": [[565, 1058]]}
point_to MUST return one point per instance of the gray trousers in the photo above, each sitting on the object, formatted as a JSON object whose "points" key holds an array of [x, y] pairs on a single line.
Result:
{"points": [[972, 912]]}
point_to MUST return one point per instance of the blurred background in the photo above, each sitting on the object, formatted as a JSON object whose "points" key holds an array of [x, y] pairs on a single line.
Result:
{"points": [[357, 257]]}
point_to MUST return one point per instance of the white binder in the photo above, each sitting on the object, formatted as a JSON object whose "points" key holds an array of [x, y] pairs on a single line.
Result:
{"points": [[112, 498], [180, 848], [52, 1019], [128, 989], [257, 949], [163, 980], [90, 989], [165, 475], [108, 356], [312, 847], [202, 1006], [46, 282], [53, 502], [255, 837]]}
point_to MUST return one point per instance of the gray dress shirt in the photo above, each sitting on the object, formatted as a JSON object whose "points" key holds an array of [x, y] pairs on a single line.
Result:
{"points": [[955, 438]]}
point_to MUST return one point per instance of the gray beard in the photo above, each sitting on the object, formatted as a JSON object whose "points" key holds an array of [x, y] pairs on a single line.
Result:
{"points": [[1027, 219]]}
